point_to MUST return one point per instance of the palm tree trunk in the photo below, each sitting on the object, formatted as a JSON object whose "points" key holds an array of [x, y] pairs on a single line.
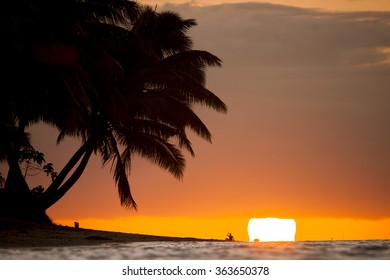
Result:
{"points": [[56, 191], [16, 196], [15, 182], [68, 168]]}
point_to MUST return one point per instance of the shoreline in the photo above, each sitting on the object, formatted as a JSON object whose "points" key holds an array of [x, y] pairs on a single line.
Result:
{"points": [[21, 234]]}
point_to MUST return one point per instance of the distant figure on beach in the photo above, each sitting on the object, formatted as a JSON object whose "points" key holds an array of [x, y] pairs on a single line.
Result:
{"points": [[229, 237]]}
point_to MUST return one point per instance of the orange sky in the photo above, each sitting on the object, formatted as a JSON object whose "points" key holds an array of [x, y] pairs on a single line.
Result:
{"points": [[306, 136]]}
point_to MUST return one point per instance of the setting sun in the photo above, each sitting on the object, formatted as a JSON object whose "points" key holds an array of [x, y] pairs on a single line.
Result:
{"points": [[271, 229]]}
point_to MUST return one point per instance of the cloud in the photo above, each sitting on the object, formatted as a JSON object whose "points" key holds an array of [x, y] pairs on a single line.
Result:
{"points": [[283, 36]]}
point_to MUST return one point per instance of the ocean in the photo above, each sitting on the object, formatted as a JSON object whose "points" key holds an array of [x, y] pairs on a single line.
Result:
{"points": [[209, 250]]}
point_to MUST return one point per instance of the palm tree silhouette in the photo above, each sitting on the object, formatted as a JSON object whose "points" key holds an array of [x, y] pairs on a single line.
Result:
{"points": [[119, 76]]}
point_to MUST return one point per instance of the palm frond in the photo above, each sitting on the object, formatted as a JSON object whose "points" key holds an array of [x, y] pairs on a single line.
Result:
{"points": [[120, 166], [158, 106], [159, 151], [182, 87], [192, 64], [151, 142], [165, 31], [155, 129]]}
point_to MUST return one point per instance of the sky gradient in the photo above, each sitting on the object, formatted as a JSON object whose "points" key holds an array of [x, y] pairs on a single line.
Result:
{"points": [[306, 136]]}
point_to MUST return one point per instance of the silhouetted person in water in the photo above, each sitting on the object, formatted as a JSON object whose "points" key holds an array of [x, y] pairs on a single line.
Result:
{"points": [[229, 237]]}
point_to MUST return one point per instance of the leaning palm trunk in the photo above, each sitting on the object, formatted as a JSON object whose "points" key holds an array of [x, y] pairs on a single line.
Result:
{"points": [[58, 189]]}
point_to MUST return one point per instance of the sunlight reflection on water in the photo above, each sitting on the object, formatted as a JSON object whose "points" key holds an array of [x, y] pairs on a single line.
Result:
{"points": [[195, 250]]}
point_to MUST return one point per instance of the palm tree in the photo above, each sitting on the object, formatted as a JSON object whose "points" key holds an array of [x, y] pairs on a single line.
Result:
{"points": [[125, 83], [44, 45]]}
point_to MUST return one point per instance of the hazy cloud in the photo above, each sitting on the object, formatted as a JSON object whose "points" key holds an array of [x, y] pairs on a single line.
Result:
{"points": [[282, 36]]}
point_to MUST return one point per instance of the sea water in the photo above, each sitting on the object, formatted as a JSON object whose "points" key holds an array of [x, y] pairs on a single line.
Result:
{"points": [[210, 250]]}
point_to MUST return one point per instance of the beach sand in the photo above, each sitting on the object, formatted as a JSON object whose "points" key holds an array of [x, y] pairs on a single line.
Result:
{"points": [[15, 233]]}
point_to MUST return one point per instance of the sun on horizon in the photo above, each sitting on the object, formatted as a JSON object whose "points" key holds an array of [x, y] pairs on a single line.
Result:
{"points": [[271, 229]]}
